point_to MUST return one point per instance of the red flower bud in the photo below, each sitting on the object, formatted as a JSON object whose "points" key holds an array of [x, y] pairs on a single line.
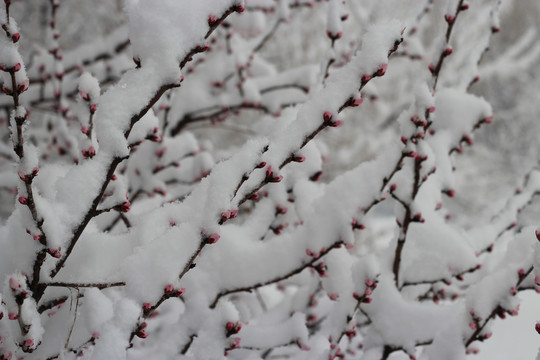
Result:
{"points": [[125, 206], [15, 37], [212, 19], [449, 18], [23, 200], [365, 78], [142, 334], [327, 116], [146, 306]]}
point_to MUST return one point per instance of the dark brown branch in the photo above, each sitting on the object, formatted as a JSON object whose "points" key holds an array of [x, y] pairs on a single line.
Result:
{"points": [[296, 271], [86, 285]]}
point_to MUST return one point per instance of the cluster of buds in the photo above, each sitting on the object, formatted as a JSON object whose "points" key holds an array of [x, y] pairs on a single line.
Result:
{"points": [[271, 177], [328, 118], [356, 225], [321, 268], [315, 254], [56, 252], [227, 215], [27, 178], [21, 87], [170, 291], [89, 153], [281, 210], [279, 228], [365, 297], [141, 332], [232, 328]]}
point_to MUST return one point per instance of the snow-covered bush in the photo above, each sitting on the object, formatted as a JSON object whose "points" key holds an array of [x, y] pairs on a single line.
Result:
{"points": [[168, 195]]}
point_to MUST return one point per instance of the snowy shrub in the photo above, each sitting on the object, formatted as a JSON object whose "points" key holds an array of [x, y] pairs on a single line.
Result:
{"points": [[164, 196]]}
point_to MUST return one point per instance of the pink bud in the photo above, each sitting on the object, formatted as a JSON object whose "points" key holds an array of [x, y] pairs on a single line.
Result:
{"points": [[327, 116], [336, 123], [365, 78], [299, 158], [449, 18], [382, 69], [17, 67], [226, 215], [125, 206], [146, 307], [239, 8], [269, 171], [357, 102], [521, 272], [451, 193], [22, 87], [93, 108], [95, 335], [473, 325], [537, 327], [84, 130], [168, 289], [448, 51], [367, 300], [212, 19], [212, 238], [488, 335], [369, 282], [334, 36], [180, 292], [393, 187], [513, 290], [14, 284], [229, 326], [281, 209], [29, 343], [15, 37], [367, 292], [13, 316], [537, 280], [36, 237], [23, 200], [488, 119], [333, 296], [234, 213]]}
